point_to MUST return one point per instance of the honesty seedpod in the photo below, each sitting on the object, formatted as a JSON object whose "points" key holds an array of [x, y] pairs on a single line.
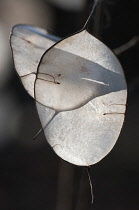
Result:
{"points": [[80, 91], [82, 82]]}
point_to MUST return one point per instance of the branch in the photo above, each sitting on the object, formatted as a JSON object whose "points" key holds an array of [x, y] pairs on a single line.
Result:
{"points": [[127, 46]]}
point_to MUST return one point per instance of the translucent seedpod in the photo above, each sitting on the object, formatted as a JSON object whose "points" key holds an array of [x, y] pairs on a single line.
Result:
{"points": [[81, 87]]}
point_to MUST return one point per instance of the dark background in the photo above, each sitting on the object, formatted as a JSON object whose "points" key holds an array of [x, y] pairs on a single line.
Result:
{"points": [[32, 177]]}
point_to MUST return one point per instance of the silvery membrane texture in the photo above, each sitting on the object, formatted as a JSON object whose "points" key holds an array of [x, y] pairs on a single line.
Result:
{"points": [[81, 94], [28, 45]]}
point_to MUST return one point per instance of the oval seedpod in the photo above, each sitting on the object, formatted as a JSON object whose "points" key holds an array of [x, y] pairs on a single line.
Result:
{"points": [[28, 44], [81, 87]]}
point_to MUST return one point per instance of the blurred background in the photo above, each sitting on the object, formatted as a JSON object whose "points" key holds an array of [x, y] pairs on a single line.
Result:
{"points": [[32, 177]]}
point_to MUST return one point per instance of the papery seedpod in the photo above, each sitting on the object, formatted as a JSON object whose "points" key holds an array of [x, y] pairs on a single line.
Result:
{"points": [[82, 90]]}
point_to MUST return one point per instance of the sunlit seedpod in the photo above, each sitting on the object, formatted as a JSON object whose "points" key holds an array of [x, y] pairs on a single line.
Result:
{"points": [[79, 88]]}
